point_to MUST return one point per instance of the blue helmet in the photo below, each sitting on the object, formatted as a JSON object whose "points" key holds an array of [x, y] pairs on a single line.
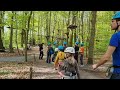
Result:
{"points": [[117, 15], [49, 44], [65, 43], [82, 44], [55, 43], [77, 43], [60, 48]]}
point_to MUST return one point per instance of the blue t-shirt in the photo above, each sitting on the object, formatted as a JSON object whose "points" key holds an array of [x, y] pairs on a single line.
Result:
{"points": [[115, 41]]}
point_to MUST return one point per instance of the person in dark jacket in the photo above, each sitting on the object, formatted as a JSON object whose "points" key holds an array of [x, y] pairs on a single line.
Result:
{"points": [[50, 52], [41, 51], [76, 51]]}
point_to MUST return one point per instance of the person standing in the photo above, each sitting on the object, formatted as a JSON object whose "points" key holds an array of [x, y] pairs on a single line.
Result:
{"points": [[41, 51], [76, 51], [113, 49], [81, 54]]}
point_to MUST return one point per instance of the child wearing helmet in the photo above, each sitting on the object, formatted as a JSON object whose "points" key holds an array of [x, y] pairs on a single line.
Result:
{"points": [[113, 49], [81, 54], [65, 45], [69, 69], [60, 57], [76, 51]]}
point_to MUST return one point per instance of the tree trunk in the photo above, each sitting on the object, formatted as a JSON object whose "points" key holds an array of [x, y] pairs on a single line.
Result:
{"points": [[21, 38], [25, 45], [11, 34], [54, 26], [47, 32], [38, 29], [68, 33], [22, 32], [79, 28], [82, 34], [3, 13], [29, 18], [88, 35], [92, 37], [16, 33], [33, 31], [1, 43], [50, 24], [75, 16], [73, 23], [41, 20]]}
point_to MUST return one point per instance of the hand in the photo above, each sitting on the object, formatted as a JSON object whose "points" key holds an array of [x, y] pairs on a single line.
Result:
{"points": [[94, 66], [55, 69]]}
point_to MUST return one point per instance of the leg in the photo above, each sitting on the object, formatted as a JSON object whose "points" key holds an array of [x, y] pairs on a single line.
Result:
{"points": [[47, 58], [81, 59], [39, 56], [52, 57], [42, 56], [76, 57]]}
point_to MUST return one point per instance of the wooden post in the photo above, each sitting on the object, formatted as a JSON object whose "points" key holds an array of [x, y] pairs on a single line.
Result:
{"points": [[31, 72], [34, 57]]}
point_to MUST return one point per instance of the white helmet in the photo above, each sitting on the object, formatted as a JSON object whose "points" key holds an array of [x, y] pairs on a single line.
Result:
{"points": [[56, 49], [70, 50]]}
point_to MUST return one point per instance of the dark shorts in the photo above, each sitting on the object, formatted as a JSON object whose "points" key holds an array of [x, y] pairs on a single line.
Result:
{"points": [[115, 76]]}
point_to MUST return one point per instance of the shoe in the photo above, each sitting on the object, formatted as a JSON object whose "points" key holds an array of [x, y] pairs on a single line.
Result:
{"points": [[82, 66]]}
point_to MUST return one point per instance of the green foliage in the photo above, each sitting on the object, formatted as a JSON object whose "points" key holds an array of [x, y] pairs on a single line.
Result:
{"points": [[59, 20]]}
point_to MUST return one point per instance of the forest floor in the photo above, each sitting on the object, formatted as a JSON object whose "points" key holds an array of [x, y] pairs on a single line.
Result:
{"points": [[13, 66]]}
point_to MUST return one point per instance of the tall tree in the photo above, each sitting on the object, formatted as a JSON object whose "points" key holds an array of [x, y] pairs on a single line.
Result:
{"points": [[16, 33], [11, 33], [92, 37], [1, 28], [82, 31], [38, 29], [28, 24]]}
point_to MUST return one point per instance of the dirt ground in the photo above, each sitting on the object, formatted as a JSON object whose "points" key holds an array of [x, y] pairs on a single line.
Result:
{"points": [[41, 70]]}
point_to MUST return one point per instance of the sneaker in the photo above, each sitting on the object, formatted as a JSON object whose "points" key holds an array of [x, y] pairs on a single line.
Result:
{"points": [[52, 62], [82, 66]]}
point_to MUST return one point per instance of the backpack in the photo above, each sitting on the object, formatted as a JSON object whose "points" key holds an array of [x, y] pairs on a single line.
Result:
{"points": [[51, 50]]}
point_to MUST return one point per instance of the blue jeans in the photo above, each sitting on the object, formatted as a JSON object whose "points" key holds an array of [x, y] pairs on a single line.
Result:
{"points": [[48, 58], [115, 76]]}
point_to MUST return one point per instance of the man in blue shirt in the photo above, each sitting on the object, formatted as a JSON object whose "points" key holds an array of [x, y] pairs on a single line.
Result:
{"points": [[113, 48]]}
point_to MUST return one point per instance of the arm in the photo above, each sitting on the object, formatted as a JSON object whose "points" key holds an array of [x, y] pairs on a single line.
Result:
{"points": [[77, 70], [105, 57]]}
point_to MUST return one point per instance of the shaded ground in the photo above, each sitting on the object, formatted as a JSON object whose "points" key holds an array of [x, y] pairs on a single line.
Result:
{"points": [[41, 70], [46, 71]]}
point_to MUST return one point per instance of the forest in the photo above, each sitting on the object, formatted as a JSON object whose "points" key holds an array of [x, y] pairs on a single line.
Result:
{"points": [[19, 28]]}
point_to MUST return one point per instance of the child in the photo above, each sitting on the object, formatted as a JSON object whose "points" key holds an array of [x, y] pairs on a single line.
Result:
{"points": [[41, 51], [60, 57], [81, 54], [76, 51], [50, 51], [69, 69]]}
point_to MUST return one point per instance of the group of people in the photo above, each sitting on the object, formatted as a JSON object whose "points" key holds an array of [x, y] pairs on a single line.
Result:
{"points": [[66, 58]]}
